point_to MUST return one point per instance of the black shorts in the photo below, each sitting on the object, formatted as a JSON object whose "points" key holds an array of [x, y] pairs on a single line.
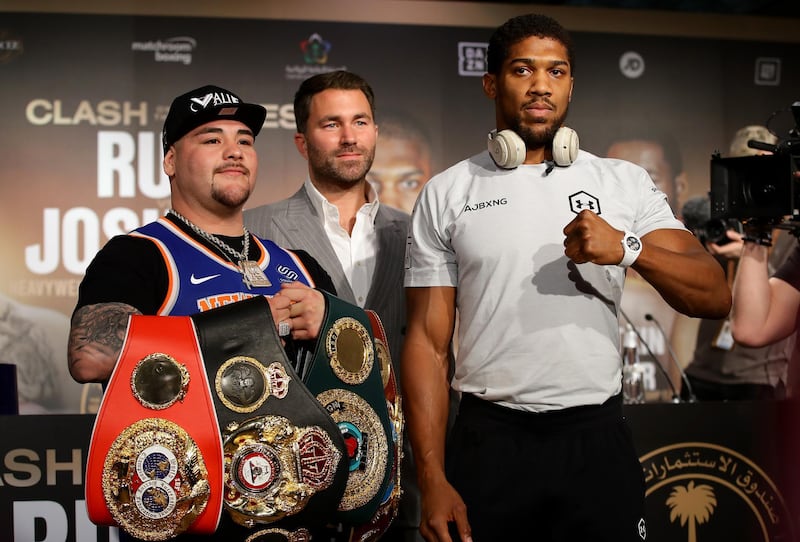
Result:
{"points": [[569, 475]]}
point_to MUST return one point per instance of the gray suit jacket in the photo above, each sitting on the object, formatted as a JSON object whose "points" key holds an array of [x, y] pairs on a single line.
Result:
{"points": [[295, 224]]}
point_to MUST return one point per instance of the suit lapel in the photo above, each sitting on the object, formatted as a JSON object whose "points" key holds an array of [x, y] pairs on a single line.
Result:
{"points": [[391, 254], [303, 226]]}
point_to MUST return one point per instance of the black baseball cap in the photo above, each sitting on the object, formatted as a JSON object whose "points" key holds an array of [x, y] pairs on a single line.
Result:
{"points": [[206, 104]]}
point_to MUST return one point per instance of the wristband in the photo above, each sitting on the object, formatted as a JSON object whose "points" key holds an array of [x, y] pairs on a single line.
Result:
{"points": [[632, 247]]}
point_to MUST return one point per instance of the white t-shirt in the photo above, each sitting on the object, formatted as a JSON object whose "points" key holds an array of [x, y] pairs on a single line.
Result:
{"points": [[536, 331]]}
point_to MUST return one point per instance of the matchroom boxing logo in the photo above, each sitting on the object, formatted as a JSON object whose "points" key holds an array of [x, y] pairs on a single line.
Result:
{"points": [[174, 50]]}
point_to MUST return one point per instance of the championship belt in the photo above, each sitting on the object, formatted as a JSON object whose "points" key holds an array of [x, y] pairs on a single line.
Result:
{"points": [[284, 457], [205, 413], [155, 463], [387, 511], [345, 377]]}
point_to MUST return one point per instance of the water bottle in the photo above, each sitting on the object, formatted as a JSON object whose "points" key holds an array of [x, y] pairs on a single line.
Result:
{"points": [[632, 370]]}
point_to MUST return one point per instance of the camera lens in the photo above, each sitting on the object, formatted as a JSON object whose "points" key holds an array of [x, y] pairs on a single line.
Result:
{"points": [[714, 231], [760, 193]]}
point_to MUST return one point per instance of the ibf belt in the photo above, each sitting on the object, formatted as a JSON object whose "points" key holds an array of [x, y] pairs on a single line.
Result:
{"points": [[283, 455], [155, 464], [346, 378]]}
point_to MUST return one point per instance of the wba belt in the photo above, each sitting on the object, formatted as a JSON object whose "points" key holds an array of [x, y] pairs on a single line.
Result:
{"points": [[205, 413], [280, 446]]}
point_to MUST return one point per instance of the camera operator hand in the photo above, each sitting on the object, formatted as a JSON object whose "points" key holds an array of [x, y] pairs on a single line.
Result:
{"points": [[759, 230], [729, 251]]}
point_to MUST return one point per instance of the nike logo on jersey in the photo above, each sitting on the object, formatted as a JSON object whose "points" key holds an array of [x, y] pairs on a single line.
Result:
{"points": [[201, 280]]}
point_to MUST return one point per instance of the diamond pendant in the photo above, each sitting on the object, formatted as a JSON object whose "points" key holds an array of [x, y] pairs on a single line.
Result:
{"points": [[252, 275]]}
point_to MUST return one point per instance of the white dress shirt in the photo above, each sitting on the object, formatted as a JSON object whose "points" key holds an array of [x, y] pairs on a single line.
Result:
{"points": [[356, 251]]}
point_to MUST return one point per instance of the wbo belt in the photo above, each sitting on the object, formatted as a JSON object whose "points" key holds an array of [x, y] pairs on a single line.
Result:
{"points": [[208, 414]]}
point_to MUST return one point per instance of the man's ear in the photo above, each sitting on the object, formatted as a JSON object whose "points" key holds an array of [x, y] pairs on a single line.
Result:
{"points": [[490, 85], [571, 86], [169, 162], [300, 143]]}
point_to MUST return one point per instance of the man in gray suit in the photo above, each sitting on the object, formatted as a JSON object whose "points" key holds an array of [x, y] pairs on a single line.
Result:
{"points": [[337, 218]]}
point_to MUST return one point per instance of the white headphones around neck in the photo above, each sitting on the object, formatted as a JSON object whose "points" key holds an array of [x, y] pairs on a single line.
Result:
{"points": [[508, 149]]}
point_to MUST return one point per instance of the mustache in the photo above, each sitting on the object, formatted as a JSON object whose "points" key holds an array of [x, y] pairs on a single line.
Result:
{"points": [[229, 165], [542, 100]]}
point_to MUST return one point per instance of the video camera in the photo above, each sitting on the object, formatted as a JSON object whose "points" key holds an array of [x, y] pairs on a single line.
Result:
{"points": [[761, 189], [696, 213]]}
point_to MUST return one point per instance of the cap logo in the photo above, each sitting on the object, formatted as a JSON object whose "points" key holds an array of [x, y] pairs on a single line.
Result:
{"points": [[212, 98]]}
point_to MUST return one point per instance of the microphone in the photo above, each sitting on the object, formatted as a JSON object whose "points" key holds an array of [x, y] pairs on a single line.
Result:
{"points": [[550, 166], [676, 398], [696, 212], [685, 379], [761, 146]]}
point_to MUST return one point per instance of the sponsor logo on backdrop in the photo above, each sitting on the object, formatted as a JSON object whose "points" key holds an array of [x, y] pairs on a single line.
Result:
{"points": [[631, 64], [768, 71], [174, 50], [10, 46], [315, 57], [694, 488], [472, 58]]}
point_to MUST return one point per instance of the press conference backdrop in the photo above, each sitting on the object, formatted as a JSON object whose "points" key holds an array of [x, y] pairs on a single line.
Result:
{"points": [[85, 95]]}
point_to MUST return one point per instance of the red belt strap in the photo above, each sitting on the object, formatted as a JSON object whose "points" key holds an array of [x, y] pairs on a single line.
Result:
{"points": [[120, 409]]}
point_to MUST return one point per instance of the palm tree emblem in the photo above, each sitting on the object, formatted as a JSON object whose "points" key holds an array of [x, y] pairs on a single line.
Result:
{"points": [[693, 504]]}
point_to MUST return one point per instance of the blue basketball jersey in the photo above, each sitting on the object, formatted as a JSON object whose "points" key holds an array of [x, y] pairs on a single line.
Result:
{"points": [[200, 279]]}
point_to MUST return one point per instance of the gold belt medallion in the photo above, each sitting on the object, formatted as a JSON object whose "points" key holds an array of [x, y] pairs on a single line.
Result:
{"points": [[365, 441], [243, 384], [384, 361], [299, 535], [272, 468], [155, 481], [349, 347], [158, 381]]}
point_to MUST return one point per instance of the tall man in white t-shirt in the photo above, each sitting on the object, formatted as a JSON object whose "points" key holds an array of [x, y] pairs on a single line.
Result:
{"points": [[533, 256]]}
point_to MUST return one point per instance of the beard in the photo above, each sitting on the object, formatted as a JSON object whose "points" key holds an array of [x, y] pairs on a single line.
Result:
{"points": [[537, 138], [231, 197], [342, 172]]}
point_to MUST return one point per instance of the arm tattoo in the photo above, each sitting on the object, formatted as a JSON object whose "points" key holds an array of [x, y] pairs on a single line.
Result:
{"points": [[101, 326]]}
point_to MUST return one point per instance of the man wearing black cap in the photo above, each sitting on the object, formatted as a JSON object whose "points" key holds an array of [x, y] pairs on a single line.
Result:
{"points": [[199, 256]]}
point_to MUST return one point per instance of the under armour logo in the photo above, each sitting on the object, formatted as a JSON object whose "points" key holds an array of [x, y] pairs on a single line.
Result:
{"points": [[580, 201]]}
